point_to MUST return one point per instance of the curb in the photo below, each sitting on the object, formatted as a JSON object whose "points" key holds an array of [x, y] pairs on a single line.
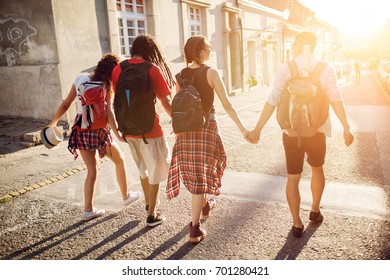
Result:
{"points": [[8, 197]]}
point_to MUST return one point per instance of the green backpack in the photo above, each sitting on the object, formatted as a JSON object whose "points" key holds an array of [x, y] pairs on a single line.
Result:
{"points": [[303, 106]]}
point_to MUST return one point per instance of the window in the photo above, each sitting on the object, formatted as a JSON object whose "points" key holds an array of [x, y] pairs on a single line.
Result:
{"points": [[194, 20], [131, 22]]}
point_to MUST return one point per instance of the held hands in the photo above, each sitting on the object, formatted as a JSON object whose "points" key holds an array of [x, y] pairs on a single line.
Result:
{"points": [[244, 133], [253, 136]]}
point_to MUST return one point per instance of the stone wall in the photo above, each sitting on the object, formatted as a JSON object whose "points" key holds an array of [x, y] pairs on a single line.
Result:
{"points": [[44, 45]]}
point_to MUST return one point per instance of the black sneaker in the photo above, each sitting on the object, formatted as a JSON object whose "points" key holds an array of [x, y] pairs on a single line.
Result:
{"points": [[153, 221]]}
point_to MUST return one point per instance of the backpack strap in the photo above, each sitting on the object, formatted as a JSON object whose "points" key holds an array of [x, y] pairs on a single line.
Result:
{"points": [[124, 64], [292, 65], [182, 83], [315, 74], [179, 79]]}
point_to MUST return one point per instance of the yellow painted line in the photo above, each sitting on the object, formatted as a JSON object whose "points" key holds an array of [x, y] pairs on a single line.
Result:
{"points": [[25, 189]]}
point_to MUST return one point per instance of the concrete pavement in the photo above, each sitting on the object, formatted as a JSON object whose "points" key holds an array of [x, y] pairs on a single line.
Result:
{"points": [[364, 201], [251, 221]]}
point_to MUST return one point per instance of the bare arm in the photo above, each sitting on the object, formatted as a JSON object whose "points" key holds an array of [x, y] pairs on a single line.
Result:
{"points": [[254, 135], [338, 108], [167, 104], [111, 117], [217, 84], [64, 106]]}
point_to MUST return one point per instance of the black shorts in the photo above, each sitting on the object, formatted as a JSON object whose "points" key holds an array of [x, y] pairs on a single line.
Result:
{"points": [[314, 147]]}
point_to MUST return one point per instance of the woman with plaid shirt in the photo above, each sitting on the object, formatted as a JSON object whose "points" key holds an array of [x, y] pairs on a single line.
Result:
{"points": [[88, 141], [198, 157]]}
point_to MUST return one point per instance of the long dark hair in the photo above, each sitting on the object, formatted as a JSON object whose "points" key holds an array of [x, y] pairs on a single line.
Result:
{"points": [[146, 47], [104, 69]]}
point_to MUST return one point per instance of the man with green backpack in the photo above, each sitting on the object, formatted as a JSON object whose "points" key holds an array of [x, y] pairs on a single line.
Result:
{"points": [[303, 90]]}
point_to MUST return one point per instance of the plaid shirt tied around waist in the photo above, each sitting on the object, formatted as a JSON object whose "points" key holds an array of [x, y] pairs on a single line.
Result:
{"points": [[97, 139], [199, 160]]}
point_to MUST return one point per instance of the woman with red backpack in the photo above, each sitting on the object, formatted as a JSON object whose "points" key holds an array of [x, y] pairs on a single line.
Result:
{"points": [[89, 139]]}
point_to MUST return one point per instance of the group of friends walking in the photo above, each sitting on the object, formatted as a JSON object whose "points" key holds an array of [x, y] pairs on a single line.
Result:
{"points": [[198, 158]]}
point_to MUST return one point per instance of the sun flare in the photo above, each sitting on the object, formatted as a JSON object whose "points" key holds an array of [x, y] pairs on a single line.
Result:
{"points": [[352, 16]]}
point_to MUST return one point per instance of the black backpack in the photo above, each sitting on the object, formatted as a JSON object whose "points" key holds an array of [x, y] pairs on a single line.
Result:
{"points": [[303, 106], [134, 102], [187, 112]]}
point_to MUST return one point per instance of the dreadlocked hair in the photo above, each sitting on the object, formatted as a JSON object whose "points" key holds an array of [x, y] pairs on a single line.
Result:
{"points": [[104, 69], [146, 47], [193, 47]]}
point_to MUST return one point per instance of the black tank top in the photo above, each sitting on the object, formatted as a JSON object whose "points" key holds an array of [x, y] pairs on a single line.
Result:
{"points": [[202, 86]]}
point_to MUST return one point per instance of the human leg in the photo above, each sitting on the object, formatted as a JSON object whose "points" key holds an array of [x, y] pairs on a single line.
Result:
{"points": [[116, 155], [155, 156], [145, 188], [154, 218], [294, 198], [294, 162], [208, 205], [137, 154], [197, 203], [317, 187], [90, 161], [154, 191], [196, 232], [316, 150]]}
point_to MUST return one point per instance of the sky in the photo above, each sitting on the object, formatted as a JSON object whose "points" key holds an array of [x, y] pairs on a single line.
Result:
{"points": [[352, 16]]}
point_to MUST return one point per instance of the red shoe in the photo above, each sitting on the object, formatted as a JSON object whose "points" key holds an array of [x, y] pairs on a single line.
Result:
{"points": [[197, 234], [210, 204]]}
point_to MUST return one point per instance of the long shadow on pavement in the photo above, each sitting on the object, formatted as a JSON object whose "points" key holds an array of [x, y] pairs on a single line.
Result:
{"points": [[294, 246], [124, 242], [180, 253], [54, 238], [109, 239]]}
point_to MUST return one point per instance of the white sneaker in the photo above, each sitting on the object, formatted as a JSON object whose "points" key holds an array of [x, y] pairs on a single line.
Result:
{"points": [[93, 214], [131, 198]]}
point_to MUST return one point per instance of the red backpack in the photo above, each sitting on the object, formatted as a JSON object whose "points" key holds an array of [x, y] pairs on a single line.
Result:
{"points": [[93, 101]]}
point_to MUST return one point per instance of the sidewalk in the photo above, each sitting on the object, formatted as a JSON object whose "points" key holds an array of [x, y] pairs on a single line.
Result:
{"points": [[17, 133]]}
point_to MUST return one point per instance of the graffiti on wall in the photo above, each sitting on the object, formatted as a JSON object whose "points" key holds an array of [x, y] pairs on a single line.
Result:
{"points": [[13, 33]]}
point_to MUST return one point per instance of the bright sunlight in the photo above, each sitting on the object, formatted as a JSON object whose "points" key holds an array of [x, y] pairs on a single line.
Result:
{"points": [[352, 16]]}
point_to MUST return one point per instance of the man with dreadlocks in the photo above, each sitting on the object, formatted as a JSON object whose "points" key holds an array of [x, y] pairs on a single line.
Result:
{"points": [[152, 159], [89, 140]]}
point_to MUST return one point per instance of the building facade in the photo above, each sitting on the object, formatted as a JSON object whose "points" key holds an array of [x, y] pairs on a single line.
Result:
{"points": [[45, 44]]}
